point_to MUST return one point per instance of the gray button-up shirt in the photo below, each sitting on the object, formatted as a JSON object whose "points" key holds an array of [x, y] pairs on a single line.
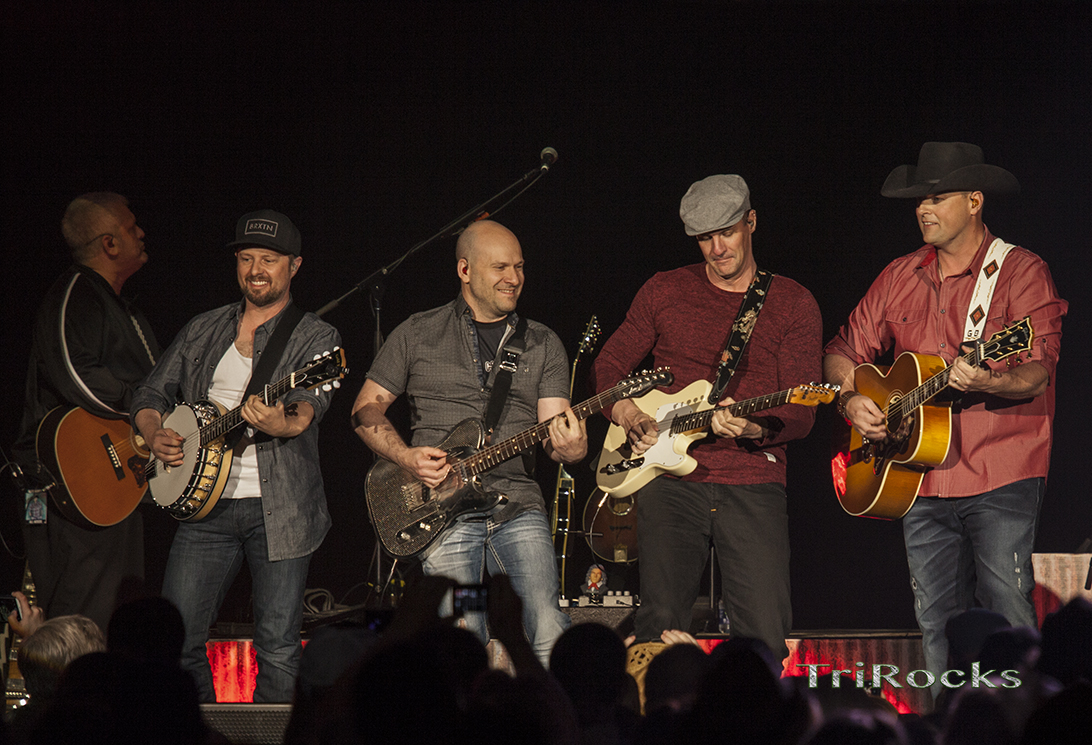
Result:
{"points": [[294, 502], [433, 358]]}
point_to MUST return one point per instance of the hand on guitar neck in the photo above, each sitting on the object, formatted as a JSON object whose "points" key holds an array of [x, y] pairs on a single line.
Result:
{"points": [[642, 430], [1023, 381]]}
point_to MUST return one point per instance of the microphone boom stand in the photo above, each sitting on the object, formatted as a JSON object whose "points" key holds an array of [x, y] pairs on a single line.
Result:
{"points": [[376, 284], [454, 227]]}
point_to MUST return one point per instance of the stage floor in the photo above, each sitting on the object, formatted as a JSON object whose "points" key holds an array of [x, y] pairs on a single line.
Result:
{"points": [[897, 652], [889, 655]]}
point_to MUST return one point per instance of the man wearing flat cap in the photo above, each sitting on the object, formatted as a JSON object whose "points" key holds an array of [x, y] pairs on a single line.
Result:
{"points": [[970, 532], [272, 510], [748, 333]]}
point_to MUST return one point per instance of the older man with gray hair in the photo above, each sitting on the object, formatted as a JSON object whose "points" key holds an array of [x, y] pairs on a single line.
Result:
{"points": [[735, 496], [91, 348]]}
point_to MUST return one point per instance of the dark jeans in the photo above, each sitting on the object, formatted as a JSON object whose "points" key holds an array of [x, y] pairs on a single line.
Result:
{"points": [[204, 560], [80, 571], [748, 524], [967, 549]]}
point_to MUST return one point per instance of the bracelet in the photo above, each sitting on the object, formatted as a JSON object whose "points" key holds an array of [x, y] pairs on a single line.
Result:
{"points": [[843, 400]]}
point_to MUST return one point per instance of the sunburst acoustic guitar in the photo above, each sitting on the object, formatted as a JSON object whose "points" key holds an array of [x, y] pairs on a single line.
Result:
{"points": [[882, 479]]}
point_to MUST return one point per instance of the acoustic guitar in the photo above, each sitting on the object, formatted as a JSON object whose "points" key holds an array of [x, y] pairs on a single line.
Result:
{"points": [[881, 479], [610, 526], [562, 513], [98, 465]]}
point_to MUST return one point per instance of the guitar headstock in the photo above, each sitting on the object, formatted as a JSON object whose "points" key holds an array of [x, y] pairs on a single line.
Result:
{"points": [[642, 383], [326, 370], [813, 394], [590, 337], [1007, 342]]}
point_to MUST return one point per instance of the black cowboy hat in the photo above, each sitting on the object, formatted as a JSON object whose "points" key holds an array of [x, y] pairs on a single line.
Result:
{"points": [[948, 166]]}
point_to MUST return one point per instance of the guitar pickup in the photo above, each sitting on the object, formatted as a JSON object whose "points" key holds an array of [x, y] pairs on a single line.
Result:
{"points": [[622, 465], [415, 495]]}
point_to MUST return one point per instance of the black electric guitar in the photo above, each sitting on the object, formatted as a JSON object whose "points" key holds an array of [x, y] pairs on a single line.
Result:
{"points": [[881, 479], [191, 490], [408, 515], [562, 512]]}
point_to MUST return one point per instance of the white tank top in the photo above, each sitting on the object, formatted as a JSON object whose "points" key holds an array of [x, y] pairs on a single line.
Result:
{"points": [[228, 384]]}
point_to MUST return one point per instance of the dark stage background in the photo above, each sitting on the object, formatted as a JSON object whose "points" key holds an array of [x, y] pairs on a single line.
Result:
{"points": [[372, 125]]}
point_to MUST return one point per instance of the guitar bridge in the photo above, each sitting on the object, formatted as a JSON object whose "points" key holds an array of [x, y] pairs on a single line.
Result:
{"points": [[415, 495], [112, 454]]}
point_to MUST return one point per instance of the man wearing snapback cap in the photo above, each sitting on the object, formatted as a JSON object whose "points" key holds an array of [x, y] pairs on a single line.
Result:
{"points": [[970, 532], [735, 497], [273, 508]]}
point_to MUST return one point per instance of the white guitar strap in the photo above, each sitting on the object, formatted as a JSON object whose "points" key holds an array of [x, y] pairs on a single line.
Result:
{"points": [[982, 296]]}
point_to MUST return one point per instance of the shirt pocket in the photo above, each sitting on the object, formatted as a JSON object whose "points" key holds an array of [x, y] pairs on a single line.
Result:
{"points": [[902, 318]]}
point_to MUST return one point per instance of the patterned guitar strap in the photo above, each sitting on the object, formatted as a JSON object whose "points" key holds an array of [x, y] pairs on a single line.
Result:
{"points": [[982, 296], [742, 328]]}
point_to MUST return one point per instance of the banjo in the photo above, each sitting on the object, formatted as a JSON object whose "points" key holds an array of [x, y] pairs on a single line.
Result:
{"points": [[191, 490]]}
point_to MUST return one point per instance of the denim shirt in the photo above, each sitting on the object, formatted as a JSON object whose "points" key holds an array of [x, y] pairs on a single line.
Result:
{"points": [[293, 499], [433, 357]]}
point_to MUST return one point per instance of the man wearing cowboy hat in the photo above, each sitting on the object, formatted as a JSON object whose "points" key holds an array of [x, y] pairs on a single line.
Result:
{"points": [[735, 497], [969, 535]]}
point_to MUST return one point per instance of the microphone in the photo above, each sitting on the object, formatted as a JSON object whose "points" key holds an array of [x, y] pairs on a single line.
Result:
{"points": [[548, 156]]}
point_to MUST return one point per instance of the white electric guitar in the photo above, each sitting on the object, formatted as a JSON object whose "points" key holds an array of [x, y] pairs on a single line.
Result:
{"points": [[681, 418]]}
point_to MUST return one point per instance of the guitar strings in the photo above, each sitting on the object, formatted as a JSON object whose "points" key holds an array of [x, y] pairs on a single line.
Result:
{"points": [[496, 454], [919, 396], [220, 426]]}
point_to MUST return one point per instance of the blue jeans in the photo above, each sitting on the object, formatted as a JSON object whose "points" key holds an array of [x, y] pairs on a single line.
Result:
{"points": [[204, 560], [748, 524], [520, 548], [967, 549]]}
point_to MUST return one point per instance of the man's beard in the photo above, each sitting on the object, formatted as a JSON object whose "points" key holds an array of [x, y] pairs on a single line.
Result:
{"points": [[261, 300]]}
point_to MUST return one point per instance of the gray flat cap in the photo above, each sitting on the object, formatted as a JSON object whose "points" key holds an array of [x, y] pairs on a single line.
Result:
{"points": [[714, 203]]}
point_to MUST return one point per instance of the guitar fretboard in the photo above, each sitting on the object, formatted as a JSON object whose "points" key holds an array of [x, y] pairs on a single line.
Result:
{"points": [[994, 349], [702, 419], [221, 425], [494, 455]]}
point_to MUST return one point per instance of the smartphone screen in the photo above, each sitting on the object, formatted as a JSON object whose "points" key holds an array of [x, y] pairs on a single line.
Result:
{"points": [[469, 598], [8, 605]]}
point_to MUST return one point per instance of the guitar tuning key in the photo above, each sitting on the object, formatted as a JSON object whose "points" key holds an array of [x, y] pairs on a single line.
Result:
{"points": [[336, 384], [327, 387]]}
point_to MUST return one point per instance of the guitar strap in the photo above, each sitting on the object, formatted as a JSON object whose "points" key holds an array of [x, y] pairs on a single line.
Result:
{"points": [[742, 328], [982, 296], [271, 355], [506, 363]]}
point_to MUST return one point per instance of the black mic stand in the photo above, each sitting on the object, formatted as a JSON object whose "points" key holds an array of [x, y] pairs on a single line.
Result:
{"points": [[376, 284]]}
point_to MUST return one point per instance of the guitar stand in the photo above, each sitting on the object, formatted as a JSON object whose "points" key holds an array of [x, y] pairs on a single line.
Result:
{"points": [[708, 621], [375, 570]]}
